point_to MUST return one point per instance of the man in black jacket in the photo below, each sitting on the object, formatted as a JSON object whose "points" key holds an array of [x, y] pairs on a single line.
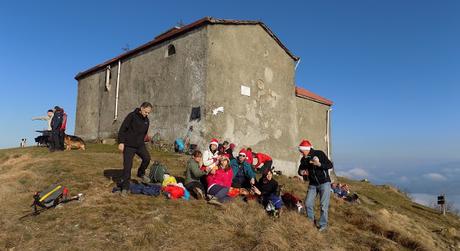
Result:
{"points": [[314, 166], [131, 139], [56, 133]]}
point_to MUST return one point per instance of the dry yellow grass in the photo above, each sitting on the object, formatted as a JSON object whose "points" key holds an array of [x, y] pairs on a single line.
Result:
{"points": [[386, 220]]}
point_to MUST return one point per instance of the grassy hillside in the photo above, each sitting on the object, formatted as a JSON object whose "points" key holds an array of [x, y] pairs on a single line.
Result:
{"points": [[385, 220]]}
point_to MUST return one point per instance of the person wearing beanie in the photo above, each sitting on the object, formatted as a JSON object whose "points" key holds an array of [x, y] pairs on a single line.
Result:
{"points": [[243, 175], [267, 188], [264, 162], [314, 166], [193, 174], [219, 181]]}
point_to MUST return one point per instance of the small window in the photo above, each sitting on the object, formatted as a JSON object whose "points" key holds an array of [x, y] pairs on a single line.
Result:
{"points": [[171, 50]]}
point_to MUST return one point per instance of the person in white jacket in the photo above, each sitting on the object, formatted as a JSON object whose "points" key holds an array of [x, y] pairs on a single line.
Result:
{"points": [[48, 118], [211, 155]]}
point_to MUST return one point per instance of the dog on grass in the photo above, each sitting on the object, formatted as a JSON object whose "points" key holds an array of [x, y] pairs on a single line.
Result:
{"points": [[74, 141], [23, 143]]}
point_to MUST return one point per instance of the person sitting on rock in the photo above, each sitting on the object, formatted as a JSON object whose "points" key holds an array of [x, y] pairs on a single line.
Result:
{"points": [[243, 176]]}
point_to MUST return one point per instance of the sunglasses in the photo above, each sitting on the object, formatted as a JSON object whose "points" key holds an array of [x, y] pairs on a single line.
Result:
{"points": [[242, 155]]}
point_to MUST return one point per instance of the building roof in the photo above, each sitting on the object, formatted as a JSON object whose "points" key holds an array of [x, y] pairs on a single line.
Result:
{"points": [[176, 31], [304, 93]]}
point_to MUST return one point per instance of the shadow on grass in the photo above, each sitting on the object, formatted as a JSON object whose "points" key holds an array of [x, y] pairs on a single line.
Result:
{"points": [[115, 175]]}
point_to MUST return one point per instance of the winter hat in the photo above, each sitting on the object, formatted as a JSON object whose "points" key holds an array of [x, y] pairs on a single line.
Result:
{"points": [[305, 145], [242, 152], [232, 146], [214, 142], [226, 156]]}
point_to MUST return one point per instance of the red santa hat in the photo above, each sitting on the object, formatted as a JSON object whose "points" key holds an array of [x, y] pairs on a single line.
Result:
{"points": [[214, 142], [226, 156], [242, 152], [305, 145]]}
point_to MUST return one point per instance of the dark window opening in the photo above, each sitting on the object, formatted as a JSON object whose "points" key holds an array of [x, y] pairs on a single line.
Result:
{"points": [[171, 50], [196, 113]]}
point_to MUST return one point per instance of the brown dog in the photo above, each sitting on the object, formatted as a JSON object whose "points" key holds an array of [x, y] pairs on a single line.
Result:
{"points": [[74, 141]]}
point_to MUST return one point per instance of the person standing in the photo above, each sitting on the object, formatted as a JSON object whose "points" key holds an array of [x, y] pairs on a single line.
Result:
{"points": [[57, 122], [314, 166], [62, 130], [131, 137], [47, 118]]}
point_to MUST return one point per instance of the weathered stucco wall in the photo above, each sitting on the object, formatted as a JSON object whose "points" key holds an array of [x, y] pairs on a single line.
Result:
{"points": [[172, 84], [267, 119], [312, 120], [88, 107]]}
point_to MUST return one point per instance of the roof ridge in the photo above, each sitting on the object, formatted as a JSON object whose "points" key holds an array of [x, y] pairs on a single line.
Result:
{"points": [[171, 33]]}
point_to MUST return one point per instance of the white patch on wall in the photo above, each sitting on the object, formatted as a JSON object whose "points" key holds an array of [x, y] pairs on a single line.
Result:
{"points": [[289, 168], [217, 110], [268, 73], [245, 90]]}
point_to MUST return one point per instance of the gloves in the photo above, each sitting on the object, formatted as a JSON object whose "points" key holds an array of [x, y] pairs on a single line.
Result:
{"points": [[315, 161]]}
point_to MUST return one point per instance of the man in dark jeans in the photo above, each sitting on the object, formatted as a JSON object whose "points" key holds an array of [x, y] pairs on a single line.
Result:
{"points": [[131, 138], [57, 123], [314, 166]]}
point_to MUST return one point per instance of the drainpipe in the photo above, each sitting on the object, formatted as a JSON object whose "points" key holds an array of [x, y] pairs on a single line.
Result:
{"points": [[328, 133], [117, 91]]}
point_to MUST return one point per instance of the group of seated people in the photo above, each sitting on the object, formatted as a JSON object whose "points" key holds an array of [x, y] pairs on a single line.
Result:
{"points": [[221, 176], [342, 191]]}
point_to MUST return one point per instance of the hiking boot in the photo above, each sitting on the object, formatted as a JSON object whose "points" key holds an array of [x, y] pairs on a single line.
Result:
{"points": [[124, 193], [145, 179], [215, 202], [199, 193], [322, 229]]}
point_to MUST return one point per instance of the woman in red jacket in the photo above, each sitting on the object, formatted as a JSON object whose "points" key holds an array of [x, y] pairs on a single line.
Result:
{"points": [[264, 161], [219, 180]]}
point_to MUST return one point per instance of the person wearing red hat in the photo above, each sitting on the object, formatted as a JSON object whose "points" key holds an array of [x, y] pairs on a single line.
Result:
{"points": [[314, 166], [264, 162], [249, 156], [243, 176], [211, 155]]}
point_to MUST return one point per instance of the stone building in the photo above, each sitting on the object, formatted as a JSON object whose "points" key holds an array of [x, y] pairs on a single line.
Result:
{"points": [[232, 80]]}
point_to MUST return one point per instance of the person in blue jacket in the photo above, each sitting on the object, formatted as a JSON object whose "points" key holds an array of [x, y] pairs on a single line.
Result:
{"points": [[243, 175]]}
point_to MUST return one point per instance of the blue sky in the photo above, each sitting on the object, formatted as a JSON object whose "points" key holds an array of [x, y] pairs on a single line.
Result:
{"points": [[391, 67]]}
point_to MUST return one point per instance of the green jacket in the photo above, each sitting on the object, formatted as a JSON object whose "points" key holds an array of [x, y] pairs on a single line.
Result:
{"points": [[193, 172]]}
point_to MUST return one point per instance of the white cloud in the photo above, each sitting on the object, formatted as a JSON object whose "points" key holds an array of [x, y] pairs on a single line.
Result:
{"points": [[435, 177], [355, 173], [403, 179], [424, 198]]}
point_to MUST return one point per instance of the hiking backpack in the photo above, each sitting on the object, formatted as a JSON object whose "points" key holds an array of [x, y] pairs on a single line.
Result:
{"points": [[157, 172], [51, 196]]}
